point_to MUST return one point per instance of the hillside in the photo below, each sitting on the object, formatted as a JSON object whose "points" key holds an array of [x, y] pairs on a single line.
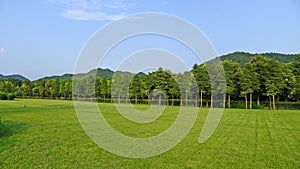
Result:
{"points": [[14, 76], [242, 57], [63, 77], [103, 73]]}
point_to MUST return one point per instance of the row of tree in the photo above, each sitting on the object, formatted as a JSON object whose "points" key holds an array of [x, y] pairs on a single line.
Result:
{"points": [[261, 78]]}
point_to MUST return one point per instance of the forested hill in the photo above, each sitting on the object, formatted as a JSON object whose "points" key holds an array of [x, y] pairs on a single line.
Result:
{"points": [[62, 77], [19, 77], [102, 73], [242, 57]]}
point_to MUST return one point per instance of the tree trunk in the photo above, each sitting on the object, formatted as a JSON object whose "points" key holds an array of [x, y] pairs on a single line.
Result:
{"points": [[207, 103], [258, 102], [274, 102], [201, 98], [167, 101], [186, 99], [172, 100], [135, 99], [211, 101], [246, 101], [159, 99], [180, 100], [250, 100], [104, 99], [270, 102], [228, 102]]}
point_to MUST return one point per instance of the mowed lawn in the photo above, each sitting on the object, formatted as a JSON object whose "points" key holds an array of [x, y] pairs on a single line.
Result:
{"points": [[47, 134]]}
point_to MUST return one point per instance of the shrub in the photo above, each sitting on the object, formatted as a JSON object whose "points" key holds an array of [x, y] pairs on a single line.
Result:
{"points": [[3, 96], [11, 96]]}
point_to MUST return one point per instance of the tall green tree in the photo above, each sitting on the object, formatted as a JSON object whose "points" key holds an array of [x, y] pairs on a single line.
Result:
{"points": [[233, 74], [157, 83], [40, 84], [274, 81], [174, 90], [52, 88], [135, 88], [88, 83], [290, 83], [296, 72], [249, 82], [185, 85], [218, 83], [254, 74], [202, 79], [65, 88], [161, 83], [259, 65], [97, 87], [120, 86], [26, 88], [104, 88]]}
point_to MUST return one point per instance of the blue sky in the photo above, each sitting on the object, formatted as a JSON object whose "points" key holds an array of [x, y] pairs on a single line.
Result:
{"points": [[44, 37]]}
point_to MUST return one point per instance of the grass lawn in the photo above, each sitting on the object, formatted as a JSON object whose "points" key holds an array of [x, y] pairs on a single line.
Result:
{"points": [[47, 134]]}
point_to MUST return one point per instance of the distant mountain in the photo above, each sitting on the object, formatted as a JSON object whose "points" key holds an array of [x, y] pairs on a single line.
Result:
{"points": [[103, 73], [63, 77], [243, 57], [14, 76]]}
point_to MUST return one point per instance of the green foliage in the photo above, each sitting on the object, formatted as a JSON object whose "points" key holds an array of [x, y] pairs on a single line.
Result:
{"points": [[296, 72], [3, 96], [62, 77], [274, 81], [240, 57], [232, 73], [243, 57], [162, 83], [120, 86], [11, 96], [15, 77], [201, 76]]}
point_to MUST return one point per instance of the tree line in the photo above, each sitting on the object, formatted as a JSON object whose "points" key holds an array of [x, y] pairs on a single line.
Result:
{"points": [[260, 79]]}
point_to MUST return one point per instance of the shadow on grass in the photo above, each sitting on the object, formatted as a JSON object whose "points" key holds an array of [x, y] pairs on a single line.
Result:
{"points": [[10, 128]]}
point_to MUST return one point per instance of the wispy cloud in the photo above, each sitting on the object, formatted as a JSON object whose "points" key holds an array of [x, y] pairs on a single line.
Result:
{"points": [[2, 50], [85, 15], [94, 9]]}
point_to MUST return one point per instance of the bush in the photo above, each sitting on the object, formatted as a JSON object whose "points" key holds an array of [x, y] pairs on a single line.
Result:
{"points": [[3, 96], [11, 96]]}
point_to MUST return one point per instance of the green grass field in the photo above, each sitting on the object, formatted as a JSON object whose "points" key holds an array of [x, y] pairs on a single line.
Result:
{"points": [[47, 134]]}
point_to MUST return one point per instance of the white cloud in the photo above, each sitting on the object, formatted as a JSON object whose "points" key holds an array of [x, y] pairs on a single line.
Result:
{"points": [[95, 4], [93, 9], [2, 50], [85, 15]]}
